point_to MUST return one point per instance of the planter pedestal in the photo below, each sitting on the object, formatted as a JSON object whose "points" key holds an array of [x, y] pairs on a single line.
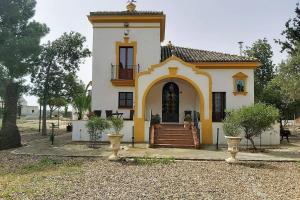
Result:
{"points": [[115, 141], [233, 148]]}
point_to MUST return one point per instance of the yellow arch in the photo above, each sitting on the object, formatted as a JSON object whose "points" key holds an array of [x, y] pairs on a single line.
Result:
{"points": [[206, 128]]}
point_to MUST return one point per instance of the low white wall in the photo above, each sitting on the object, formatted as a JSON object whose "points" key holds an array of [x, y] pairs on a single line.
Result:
{"points": [[269, 137], [80, 132]]}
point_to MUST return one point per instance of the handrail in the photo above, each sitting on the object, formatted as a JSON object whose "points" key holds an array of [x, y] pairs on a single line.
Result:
{"points": [[114, 75], [196, 124]]}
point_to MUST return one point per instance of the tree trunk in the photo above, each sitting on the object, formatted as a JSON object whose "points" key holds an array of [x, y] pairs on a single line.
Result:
{"points": [[44, 120], [9, 134], [51, 111], [248, 137]]}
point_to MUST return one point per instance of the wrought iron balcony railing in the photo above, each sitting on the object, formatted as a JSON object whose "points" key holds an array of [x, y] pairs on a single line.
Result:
{"points": [[119, 72]]}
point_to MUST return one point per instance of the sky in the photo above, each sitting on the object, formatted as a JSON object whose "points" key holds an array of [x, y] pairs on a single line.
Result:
{"points": [[216, 25]]}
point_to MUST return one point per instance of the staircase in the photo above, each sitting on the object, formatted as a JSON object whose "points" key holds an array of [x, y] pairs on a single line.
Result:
{"points": [[174, 135]]}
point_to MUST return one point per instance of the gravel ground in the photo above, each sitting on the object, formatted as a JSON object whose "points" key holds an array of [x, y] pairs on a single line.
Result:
{"points": [[101, 179]]}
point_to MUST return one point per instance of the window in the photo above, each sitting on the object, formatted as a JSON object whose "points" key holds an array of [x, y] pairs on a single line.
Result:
{"points": [[219, 106], [126, 57], [125, 100]]}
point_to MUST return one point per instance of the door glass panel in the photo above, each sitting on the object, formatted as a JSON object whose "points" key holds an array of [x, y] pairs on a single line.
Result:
{"points": [[129, 58], [122, 57]]}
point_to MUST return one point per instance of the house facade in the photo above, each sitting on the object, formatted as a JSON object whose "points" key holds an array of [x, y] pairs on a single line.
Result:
{"points": [[134, 73]]}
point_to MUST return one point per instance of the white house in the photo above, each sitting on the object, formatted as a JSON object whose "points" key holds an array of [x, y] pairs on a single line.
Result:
{"points": [[132, 71]]}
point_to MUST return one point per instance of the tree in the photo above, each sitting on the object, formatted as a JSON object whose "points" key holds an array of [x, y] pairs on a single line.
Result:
{"points": [[58, 60], [262, 50], [291, 33], [56, 103], [82, 102], [19, 48], [253, 120]]}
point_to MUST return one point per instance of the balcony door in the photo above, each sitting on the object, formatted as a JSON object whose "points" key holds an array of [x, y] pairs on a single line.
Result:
{"points": [[126, 63]]}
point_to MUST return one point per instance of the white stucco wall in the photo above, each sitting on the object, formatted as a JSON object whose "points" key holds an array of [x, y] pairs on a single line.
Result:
{"points": [[201, 80], [269, 137], [222, 81], [104, 94], [80, 132], [188, 98]]}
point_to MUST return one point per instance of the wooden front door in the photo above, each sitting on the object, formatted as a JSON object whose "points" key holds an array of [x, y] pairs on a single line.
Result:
{"points": [[126, 63], [170, 103]]}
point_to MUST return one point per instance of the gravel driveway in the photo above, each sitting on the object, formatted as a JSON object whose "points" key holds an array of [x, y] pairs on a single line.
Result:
{"points": [[100, 179]]}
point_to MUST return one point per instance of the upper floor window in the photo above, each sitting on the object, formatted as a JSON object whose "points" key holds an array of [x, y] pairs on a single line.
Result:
{"points": [[126, 63]]}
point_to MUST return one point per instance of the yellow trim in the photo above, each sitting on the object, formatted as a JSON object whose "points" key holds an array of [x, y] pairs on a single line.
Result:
{"points": [[227, 65], [240, 76], [139, 19], [126, 43], [139, 123], [173, 71], [123, 83]]}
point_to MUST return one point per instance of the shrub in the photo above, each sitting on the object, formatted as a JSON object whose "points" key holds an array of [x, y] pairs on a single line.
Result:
{"points": [[253, 120], [188, 118], [231, 124], [155, 119], [117, 124], [96, 126], [256, 119]]}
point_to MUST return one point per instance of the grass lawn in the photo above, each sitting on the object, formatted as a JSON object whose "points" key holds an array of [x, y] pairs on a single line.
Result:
{"points": [[33, 177]]}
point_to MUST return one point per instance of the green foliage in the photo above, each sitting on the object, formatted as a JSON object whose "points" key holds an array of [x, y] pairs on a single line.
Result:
{"points": [[289, 76], [231, 124], [262, 50], [155, 119], [117, 124], [82, 103], [256, 118], [19, 38], [253, 120], [96, 126], [291, 33], [153, 160], [188, 118], [274, 95]]}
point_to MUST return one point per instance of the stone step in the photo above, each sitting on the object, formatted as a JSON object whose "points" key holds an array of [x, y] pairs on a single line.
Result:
{"points": [[175, 141], [174, 146], [172, 136]]}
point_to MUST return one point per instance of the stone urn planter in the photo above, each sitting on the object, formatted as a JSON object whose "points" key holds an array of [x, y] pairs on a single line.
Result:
{"points": [[115, 141], [233, 148]]}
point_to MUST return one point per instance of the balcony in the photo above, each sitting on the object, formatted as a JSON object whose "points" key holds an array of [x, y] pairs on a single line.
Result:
{"points": [[124, 76]]}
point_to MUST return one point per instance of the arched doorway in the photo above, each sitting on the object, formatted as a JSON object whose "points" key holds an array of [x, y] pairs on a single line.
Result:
{"points": [[170, 102]]}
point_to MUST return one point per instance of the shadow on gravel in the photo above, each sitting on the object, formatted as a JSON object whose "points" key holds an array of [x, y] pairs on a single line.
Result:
{"points": [[257, 165]]}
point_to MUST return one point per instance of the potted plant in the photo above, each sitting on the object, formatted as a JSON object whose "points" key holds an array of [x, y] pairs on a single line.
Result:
{"points": [[187, 121], [115, 138], [96, 126], [155, 121], [232, 131]]}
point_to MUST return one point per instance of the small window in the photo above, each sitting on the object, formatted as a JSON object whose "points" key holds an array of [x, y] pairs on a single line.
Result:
{"points": [[125, 100], [219, 106]]}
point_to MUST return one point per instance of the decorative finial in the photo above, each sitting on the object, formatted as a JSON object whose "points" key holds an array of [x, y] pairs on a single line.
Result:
{"points": [[131, 6], [173, 51]]}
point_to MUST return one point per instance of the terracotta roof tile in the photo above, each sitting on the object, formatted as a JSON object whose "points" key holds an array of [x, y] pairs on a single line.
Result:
{"points": [[197, 56]]}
